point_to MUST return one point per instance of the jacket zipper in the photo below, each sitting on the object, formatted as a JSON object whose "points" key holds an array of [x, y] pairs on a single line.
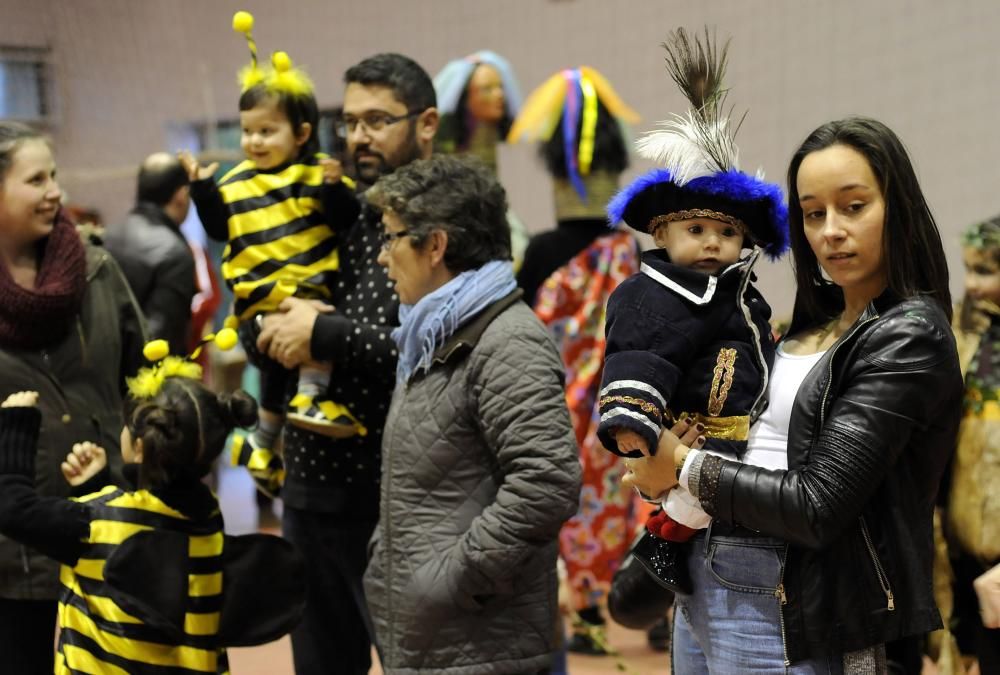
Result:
{"points": [[387, 544], [46, 359], [84, 361], [761, 362], [883, 578], [829, 364], [779, 593]]}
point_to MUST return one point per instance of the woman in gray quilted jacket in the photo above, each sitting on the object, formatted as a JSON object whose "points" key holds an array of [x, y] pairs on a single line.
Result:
{"points": [[479, 464]]}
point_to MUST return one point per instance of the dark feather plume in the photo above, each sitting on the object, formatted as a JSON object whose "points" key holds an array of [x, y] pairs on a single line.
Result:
{"points": [[699, 69], [698, 66]]}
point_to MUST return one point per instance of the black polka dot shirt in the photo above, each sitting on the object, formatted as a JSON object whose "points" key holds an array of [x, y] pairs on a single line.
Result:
{"points": [[341, 476]]}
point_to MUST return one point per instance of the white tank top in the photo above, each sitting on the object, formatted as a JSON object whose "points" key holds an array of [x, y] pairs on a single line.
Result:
{"points": [[767, 445]]}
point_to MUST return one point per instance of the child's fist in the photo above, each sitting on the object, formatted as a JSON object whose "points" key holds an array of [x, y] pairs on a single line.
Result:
{"points": [[21, 399], [196, 171], [333, 170], [629, 441], [85, 462]]}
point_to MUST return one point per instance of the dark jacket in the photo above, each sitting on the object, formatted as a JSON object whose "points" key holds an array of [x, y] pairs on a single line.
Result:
{"points": [[871, 431], [548, 251], [340, 476], [480, 471], [80, 382], [684, 341], [159, 267]]}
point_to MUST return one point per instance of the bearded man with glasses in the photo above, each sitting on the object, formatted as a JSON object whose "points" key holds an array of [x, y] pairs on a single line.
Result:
{"points": [[331, 489]]}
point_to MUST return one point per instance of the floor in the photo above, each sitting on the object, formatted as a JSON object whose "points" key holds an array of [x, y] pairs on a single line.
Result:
{"points": [[236, 493], [276, 658]]}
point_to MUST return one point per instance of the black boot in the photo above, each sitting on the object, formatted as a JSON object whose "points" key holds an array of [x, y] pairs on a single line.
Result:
{"points": [[665, 561]]}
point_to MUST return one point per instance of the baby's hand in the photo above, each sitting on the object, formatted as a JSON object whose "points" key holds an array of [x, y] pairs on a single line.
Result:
{"points": [[85, 462], [333, 170], [629, 441], [196, 171], [21, 399]]}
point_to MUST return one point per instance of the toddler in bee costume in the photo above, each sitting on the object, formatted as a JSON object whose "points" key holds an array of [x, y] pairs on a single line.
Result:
{"points": [[150, 583], [278, 212]]}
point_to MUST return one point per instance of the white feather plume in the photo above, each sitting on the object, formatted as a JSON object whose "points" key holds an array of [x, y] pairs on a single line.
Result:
{"points": [[680, 144]]}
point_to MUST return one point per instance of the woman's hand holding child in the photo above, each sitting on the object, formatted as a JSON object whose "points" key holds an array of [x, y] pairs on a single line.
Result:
{"points": [[654, 476]]}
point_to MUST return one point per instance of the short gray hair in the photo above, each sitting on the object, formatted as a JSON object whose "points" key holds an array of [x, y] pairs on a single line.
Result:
{"points": [[458, 195]]}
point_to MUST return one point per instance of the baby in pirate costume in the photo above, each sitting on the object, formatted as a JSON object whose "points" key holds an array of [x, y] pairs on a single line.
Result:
{"points": [[150, 582], [688, 336], [278, 211]]}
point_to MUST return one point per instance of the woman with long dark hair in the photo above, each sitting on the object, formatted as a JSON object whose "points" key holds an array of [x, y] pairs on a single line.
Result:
{"points": [[822, 557]]}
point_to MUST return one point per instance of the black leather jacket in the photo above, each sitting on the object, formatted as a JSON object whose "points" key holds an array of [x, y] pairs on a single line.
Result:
{"points": [[872, 428]]}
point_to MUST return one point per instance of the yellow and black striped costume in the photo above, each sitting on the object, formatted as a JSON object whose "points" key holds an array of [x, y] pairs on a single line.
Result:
{"points": [[281, 243], [98, 635]]}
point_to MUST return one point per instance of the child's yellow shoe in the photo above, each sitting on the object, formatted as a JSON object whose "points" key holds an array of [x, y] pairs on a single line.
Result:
{"points": [[265, 467], [323, 416]]}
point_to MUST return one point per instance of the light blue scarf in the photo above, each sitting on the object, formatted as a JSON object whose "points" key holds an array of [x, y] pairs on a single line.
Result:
{"points": [[425, 326]]}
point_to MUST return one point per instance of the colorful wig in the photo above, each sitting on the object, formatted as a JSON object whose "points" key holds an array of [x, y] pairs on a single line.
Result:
{"points": [[450, 83], [571, 95]]}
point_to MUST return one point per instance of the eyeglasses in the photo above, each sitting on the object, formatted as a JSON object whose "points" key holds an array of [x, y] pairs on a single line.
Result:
{"points": [[373, 121], [389, 237]]}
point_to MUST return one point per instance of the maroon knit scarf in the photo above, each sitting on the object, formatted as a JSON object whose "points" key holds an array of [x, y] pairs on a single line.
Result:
{"points": [[39, 317]]}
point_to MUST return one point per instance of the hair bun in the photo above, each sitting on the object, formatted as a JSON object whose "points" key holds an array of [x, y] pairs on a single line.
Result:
{"points": [[241, 407]]}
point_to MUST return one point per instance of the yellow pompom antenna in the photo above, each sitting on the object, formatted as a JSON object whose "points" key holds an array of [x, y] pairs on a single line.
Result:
{"points": [[156, 350], [280, 76], [250, 75], [243, 23], [226, 339], [287, 78], [148, 382]]}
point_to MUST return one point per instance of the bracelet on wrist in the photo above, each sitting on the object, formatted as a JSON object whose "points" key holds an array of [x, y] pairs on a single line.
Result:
{"points": [[680, 464]]}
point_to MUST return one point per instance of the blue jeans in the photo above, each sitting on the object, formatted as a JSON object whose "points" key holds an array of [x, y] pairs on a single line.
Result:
{"points": [[731, 623]]}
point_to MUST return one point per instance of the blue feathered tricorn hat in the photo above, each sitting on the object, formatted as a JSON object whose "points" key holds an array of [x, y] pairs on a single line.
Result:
{"points": [[700, 175]]}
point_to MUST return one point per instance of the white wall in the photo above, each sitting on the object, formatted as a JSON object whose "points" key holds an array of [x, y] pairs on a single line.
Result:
{"points": [[128, 68]]}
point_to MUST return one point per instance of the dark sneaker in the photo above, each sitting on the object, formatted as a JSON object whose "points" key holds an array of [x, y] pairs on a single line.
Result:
{"points": [[584, 643], [665, 561], [659, 636], [323, 416], [265, 467]]}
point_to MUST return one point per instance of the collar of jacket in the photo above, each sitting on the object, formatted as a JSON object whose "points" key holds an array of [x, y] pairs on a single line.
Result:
{"points": [[833, 304], [467, 336], [695, 286], [188, 495], [155, 214]]}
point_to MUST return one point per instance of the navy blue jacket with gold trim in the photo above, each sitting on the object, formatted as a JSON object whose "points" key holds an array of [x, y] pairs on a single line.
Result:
{"points": [[682, 342], [150, 583]]}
